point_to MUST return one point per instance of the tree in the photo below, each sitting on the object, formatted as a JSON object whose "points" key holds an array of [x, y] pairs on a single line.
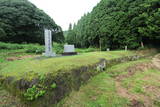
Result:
{"points": [[117, 23], [70, 38], [24, 22]]}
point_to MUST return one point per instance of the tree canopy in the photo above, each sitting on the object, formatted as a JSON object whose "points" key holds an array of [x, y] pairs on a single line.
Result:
{"points": [[118, 23], [21, 21]]}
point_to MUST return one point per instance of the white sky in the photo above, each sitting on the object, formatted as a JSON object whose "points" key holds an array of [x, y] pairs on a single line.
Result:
{"points": [[65, 11]]}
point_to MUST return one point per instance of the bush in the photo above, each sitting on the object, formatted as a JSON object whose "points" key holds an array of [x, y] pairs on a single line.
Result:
{"points": [[37, 50], [29, 48], [86, 50], [33, 93], [34, 48], [9, 46], [58, 48], [53, 86]]}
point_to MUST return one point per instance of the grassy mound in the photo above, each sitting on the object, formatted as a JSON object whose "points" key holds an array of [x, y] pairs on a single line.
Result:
{"points": [[52, 78], [30, 68]]}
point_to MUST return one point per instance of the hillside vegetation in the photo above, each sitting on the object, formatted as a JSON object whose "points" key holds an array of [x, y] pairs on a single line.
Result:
{"points": [[117, 23], [23, 22]]}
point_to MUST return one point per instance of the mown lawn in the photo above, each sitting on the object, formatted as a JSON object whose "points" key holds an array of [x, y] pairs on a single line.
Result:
{"points": [[32, 67], [138, 85]]}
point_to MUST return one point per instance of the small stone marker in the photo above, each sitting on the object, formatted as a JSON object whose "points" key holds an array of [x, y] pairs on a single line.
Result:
{"points": [[126, 48], [69, 50], [48, 43]]}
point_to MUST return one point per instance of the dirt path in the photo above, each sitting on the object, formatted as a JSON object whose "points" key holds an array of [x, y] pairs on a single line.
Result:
{"points": [[20, 57], [136, 98]]}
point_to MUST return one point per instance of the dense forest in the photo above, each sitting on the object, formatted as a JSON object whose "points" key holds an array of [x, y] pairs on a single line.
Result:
{"points": [[118, 23], [21, 21]]}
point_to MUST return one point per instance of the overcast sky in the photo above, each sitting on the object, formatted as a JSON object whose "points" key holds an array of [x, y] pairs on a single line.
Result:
{"points": [[65, 11]]}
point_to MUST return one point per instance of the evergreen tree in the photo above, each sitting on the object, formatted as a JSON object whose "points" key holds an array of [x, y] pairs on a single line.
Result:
{"points": [[117, 23]]}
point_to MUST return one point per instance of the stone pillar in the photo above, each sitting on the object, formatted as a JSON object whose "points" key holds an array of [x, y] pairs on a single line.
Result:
{"points": [[126, 48], [48, 43], [108, 49]]}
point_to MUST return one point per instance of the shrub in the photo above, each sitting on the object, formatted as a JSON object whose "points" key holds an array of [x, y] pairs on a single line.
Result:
{"points": [[53, 85], [29, 48], [33, 93], [9, 46], [86, 50], [35, 49], [58, 48]]}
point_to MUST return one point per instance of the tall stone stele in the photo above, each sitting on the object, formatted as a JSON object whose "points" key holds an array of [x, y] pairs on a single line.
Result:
{"points": [[48, 44]]}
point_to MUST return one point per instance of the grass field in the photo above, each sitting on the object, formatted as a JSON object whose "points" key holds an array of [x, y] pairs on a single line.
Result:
{"points": [[41, 65], [134, 83], [129, 84]]}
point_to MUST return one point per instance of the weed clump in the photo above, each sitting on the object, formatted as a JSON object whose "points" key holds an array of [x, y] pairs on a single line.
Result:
{"points": [[33, 93]]}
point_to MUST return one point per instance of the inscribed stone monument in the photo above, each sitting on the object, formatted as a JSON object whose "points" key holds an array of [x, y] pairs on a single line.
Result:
{"points": [[48, 43]]}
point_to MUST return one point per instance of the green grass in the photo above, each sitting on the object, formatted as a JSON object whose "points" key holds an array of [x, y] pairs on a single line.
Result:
{"points": [[100, 91], [136, 83], [84, 50], [38, 49], [145, 83], [31, 67], [121, 68], [8, 100], [4, 54], [141, 83]]}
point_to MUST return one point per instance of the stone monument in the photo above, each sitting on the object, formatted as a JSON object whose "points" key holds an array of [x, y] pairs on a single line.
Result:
{"points": [[126, 48], [69, 50], [48, 43]]}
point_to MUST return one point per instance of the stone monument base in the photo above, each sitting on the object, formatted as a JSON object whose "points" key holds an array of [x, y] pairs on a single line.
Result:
{"points": [[49, 54], [69, 53]]}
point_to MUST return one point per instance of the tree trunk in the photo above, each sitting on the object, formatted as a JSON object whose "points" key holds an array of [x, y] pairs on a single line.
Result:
{"points": [[100, 44], [142, 45]]}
